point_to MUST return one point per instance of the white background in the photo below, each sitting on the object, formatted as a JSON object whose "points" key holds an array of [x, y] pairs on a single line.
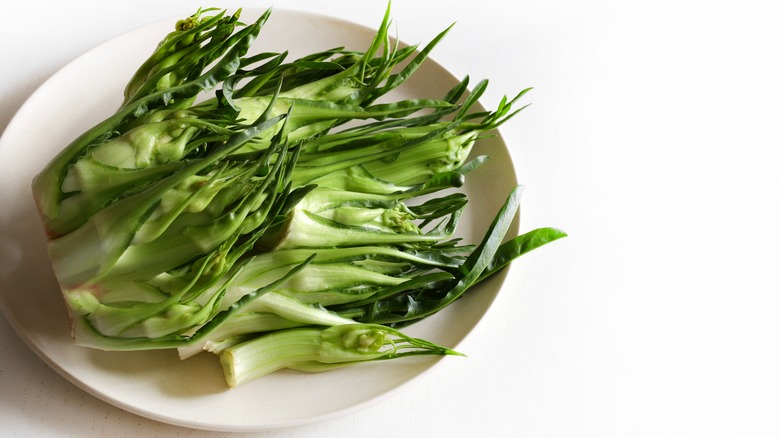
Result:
{"points": [[652, 140]]}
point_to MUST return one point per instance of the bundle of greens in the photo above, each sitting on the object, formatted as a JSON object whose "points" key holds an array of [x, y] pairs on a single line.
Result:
{"points": [[271, 211]]}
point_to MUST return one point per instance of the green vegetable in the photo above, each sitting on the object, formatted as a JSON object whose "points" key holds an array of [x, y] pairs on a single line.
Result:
{"points": [[287, 218], [314, 349]]}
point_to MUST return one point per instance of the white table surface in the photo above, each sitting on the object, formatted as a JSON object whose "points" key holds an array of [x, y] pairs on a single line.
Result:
{"points": [[652, 140]]}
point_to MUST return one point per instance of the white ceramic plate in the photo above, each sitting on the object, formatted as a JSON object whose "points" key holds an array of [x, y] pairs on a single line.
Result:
{"points": [[156, 384]]}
